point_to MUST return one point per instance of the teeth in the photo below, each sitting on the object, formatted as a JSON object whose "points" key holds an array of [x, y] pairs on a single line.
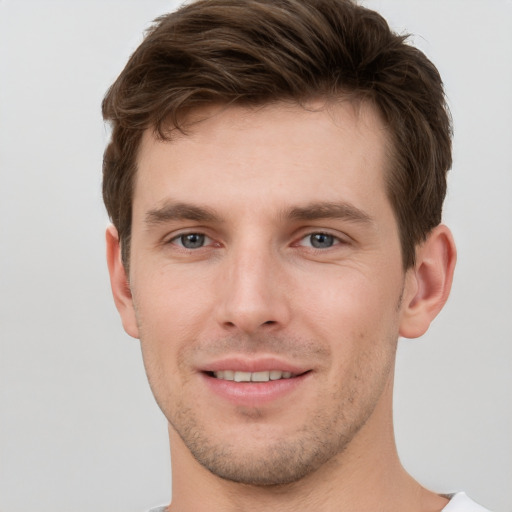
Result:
{"points": [[260, 377], [252, 376], [242, 377]]}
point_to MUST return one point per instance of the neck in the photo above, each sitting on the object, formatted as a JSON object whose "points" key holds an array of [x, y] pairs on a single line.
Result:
{"points": [[367, 476]]}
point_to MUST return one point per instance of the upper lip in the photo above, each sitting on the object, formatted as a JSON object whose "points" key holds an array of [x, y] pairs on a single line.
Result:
{"points": [[260, 364]]}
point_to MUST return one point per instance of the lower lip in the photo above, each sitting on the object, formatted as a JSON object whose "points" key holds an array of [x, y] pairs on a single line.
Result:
{"points": [[253, 394]]}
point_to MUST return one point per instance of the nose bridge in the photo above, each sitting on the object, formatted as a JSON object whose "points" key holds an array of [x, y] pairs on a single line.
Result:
{"points": [[252, 293]]}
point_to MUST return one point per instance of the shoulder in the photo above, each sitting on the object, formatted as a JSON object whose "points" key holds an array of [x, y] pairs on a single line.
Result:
{"points": [[459, 502]]}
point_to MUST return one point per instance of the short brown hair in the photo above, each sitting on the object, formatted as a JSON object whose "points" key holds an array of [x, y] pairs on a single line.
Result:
{"points": [[251, 52]]}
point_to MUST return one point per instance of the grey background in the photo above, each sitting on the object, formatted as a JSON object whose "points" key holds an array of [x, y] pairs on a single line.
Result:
{"points": [[79, 430]]}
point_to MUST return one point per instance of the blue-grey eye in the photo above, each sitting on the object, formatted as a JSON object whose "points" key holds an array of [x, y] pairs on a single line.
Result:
{"points": [[192, 240], [321, 240]]}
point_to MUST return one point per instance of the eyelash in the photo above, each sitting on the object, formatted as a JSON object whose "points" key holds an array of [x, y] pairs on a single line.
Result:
{"points": [[176, 239], [207, 241], [334, 239]]}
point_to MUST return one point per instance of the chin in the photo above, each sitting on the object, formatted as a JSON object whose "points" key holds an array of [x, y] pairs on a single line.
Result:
{"points": [[260, 460]]}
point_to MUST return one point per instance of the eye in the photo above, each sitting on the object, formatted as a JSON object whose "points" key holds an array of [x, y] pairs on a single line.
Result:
{"points": [[319, 240], [191, 240]]}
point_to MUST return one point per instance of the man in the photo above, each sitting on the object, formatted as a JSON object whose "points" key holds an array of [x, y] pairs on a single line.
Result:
{"points": [[275, 181]]}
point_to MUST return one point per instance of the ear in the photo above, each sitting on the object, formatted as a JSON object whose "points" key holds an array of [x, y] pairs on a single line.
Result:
{"points": [[120, 284], [428, 284]]}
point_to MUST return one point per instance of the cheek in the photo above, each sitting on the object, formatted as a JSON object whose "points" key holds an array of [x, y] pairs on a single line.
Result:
{"points": [[169, 316], [351, 298], [357, 316], [360, 323], [170, 302]]}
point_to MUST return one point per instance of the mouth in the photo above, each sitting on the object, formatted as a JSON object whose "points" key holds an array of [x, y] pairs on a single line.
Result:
{"points": [[255, 389], [255, 382], [260, 376]]}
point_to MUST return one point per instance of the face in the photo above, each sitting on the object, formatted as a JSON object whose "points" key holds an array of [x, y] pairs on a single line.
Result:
{"points": [[266, 280]]}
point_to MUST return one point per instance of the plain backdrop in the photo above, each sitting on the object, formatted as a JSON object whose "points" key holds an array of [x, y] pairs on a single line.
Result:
{"points": [[79, 430]]}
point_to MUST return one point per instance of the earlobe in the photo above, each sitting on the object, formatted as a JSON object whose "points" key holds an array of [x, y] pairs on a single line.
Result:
{"points": [[428, 284], [119, 283]]}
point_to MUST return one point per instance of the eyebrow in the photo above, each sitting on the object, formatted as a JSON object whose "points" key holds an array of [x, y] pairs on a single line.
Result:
{"points": [[316, 211], [170, 211]]}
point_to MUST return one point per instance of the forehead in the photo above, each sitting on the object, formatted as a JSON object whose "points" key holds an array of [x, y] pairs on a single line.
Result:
{"points": [[285, 150]]}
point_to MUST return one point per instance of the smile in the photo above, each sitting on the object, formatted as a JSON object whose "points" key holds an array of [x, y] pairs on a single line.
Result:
{"points": [[265, 384], [264, 376]]}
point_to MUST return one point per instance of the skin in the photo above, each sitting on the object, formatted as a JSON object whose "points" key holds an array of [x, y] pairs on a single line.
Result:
{"points": [[267, 235]]}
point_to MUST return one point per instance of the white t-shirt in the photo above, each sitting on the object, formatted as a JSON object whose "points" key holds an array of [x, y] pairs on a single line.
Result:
{"points": [[459, 502]]}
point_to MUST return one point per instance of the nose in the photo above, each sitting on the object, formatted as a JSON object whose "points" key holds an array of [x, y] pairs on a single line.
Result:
{"points": [[253, 295]]}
